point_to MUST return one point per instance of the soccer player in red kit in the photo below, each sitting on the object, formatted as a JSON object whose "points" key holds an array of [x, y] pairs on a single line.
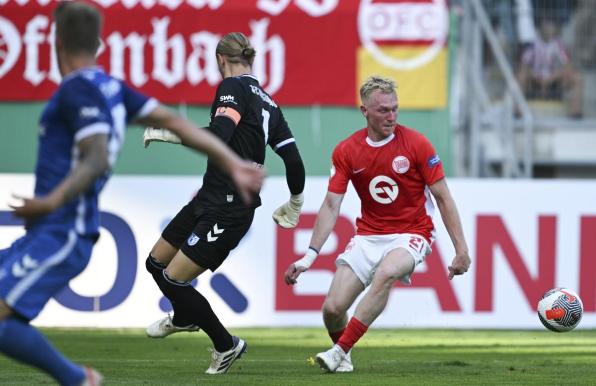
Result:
{"points": [[394, 169]]}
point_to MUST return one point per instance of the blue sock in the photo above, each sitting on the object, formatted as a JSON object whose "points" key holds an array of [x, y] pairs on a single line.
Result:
{"points": [[25, 343]]}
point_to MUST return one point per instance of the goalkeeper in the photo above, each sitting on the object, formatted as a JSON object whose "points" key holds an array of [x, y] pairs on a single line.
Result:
{"points": [[203, 233]]}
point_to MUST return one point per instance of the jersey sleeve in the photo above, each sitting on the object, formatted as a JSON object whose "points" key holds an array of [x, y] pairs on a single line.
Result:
{"points": [[340, 170], [84, 109], [230, 100], [281, 135], [428, 161], [137, 105]]}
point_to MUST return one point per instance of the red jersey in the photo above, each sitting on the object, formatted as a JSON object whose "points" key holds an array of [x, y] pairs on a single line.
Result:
{"points": [[391, 178]]}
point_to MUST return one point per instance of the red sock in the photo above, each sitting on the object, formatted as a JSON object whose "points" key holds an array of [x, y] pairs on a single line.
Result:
{"points": [[336, 335], [352, 333]]}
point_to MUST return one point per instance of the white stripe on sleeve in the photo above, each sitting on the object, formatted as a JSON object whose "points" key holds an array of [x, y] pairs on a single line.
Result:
{"points": [[284, 143], [95, 128], [147, 108]]}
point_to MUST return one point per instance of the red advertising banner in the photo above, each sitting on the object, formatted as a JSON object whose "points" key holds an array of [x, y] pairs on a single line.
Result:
{"points": [[308, 51]]}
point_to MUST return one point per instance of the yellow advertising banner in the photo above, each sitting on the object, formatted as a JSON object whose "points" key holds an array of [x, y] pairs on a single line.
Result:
{"points": [[422, 87]]}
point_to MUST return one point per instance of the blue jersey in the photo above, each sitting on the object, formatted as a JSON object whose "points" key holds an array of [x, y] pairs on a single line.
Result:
{"points": [[88, 102]]}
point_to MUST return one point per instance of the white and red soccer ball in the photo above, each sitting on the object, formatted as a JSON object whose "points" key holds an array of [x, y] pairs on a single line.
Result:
{"points": [[560, 309]]}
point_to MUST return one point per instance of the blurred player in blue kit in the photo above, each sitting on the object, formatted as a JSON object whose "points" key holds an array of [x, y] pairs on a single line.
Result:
{"points": [[81, 132]]}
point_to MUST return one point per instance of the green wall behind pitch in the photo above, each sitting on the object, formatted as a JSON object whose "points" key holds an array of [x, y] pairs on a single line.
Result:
{"points": [[316, 129]]}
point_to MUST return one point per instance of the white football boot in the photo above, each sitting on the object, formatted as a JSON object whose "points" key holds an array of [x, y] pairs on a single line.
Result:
{"points": [[331, 359], [346, 366], [92, 377], [222, 361], [164, 327]]}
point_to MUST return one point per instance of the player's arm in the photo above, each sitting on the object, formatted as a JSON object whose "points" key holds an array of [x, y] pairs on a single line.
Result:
{"points": [[287, 215], [324, 224], [461, 261], [246, 176], [92, 163]]}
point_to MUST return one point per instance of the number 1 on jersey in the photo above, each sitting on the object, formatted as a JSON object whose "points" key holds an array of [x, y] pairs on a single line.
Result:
{"points": [[266, 114]]}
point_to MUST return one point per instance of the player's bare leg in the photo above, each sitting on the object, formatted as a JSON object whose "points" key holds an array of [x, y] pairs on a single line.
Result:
{"points": [[5, 310], [163, 251], [397, 264], [344, 290]]}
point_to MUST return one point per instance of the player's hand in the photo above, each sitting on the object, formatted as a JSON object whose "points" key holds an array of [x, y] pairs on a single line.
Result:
{"points": [[286, 216], [459, 265], [32, 208], [248, 178], [152, 134], [292, 273]]}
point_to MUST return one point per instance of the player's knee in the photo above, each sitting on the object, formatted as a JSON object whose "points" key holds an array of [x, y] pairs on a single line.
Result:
{"points": [[332, 309]]}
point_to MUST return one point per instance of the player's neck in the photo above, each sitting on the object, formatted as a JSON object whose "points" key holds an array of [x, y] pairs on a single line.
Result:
{"points": [[74, 63], [236, 70], [375, 136]]}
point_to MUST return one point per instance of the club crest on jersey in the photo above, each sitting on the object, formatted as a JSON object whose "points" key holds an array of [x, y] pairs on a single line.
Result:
{"points": [[434, 161], [192, 240], [400, 164]]}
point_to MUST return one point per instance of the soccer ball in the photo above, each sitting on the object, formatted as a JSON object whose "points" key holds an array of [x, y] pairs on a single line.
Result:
{"points": [[560, 309]]}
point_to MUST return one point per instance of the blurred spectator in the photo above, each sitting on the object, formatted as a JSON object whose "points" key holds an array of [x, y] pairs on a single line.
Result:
{"points": [[559, 11], [501, 15], [585, 34], [514, 23], [546, 72]]}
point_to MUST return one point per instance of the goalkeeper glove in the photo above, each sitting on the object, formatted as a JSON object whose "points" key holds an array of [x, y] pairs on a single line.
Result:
{"points": [[286, 216], [161, 135]]}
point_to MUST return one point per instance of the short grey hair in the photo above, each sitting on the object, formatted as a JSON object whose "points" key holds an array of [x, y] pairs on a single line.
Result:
{"points": [[375, 82]]}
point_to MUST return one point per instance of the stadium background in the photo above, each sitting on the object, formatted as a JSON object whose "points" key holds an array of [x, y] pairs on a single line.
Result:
{"points": [[525, 235]]}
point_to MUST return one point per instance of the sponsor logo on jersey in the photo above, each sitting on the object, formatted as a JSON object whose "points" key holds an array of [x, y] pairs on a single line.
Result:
{"points": [[434, 161], [193, 239], [227, 98], [89, 112], [383, 189], [356, 171], [400, 164]]}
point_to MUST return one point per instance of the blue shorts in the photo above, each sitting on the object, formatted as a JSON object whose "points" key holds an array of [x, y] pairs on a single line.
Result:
{"points": [[40, 264]]}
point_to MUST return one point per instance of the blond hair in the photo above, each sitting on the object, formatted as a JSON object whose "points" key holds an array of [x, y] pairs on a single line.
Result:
{"points": [[374, 83], [236, 47]]}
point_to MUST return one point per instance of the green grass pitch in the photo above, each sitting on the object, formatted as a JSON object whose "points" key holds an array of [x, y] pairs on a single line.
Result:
{"points": [[281, 357]]}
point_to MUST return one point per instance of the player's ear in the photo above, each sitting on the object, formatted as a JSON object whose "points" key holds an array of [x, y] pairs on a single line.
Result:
{"points": [[220, 59], [363, 111]]}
